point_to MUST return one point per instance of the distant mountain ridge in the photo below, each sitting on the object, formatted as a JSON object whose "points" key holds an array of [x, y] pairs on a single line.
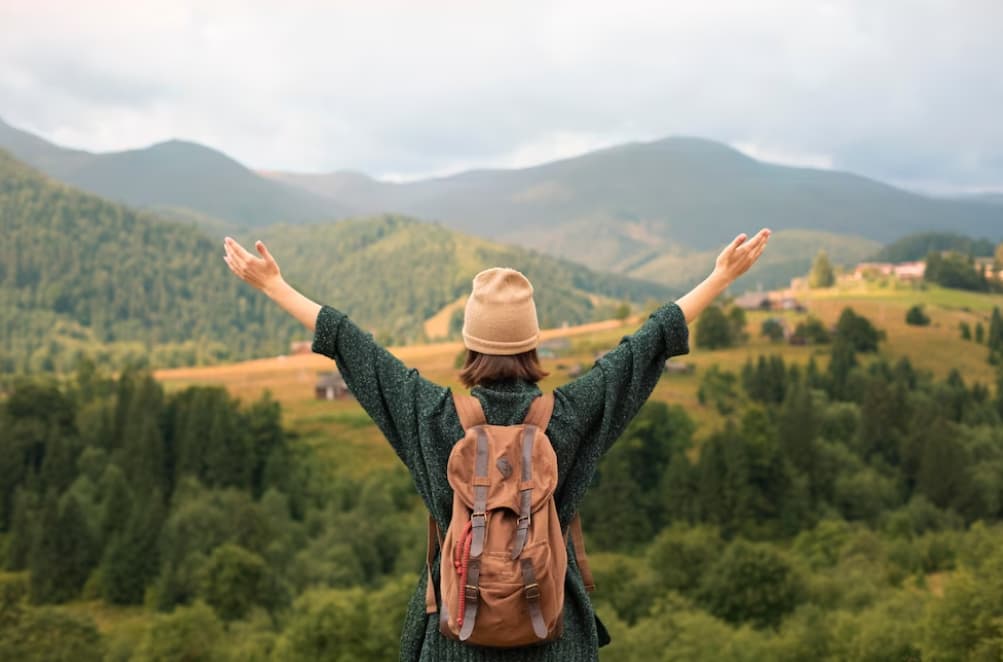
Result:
{"points": [[658, 210], [175, 174]]}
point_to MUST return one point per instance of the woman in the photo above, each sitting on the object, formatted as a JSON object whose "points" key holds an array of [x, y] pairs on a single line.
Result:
{"points": [[501, 334]]}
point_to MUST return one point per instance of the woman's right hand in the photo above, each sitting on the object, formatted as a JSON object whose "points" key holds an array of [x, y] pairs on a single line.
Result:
{"points": [[739, 255], [261, 273]]}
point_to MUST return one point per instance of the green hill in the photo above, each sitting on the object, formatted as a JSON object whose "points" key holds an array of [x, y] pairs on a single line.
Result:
{"points": [[81, 274], [174, 174], [619, 208]]}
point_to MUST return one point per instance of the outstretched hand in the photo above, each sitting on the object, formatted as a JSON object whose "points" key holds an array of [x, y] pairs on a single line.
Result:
{"points": [[739, 255], [259, 272]]}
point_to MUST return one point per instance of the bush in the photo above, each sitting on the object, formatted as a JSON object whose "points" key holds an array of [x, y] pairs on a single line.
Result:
{"points": [[751, 583], [916, 317]]}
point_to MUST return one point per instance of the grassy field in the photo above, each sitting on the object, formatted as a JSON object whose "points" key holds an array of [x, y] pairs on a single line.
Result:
{"points": [[343, 434]]}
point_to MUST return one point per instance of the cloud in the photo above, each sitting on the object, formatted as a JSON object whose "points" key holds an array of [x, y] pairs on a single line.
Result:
{"points": [[903, 91]]}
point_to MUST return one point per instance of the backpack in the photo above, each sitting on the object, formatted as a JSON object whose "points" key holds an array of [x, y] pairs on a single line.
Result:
{"points": [[504, 555]]}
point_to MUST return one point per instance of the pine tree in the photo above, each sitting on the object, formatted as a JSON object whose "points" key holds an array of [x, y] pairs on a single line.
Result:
{"points": [[62, 556], [714, 329], [143, 456], [842, 362], [264, 426], [23, 529], [132, 558], [117, 502], [821, 274]]}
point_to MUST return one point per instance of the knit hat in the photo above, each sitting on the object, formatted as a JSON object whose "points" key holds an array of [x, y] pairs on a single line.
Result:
{"points": [[500, 317]]}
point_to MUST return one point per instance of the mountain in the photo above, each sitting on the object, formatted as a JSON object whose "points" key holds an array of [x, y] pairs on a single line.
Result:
{"points": [[80, 274], [179, 175], [620, 208]]}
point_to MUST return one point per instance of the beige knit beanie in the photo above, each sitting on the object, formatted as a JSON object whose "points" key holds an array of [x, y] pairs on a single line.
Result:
{"points": [[500, 317]]}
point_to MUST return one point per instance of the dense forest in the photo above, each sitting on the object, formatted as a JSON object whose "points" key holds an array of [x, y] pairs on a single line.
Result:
{"points": [[843, 509], [81, 276]]}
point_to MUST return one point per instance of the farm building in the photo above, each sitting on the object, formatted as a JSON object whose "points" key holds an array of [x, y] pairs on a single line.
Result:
{"points": [[331, 386], [753, 301]]}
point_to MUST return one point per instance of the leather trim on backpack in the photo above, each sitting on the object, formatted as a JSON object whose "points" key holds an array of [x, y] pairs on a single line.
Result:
{"points": [[469, 410]]}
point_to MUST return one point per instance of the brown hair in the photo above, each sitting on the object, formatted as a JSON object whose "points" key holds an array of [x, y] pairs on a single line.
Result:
{"points": [[480, 368]]}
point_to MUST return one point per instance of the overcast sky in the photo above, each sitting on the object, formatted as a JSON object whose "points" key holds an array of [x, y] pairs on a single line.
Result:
{"points": [[909, 92]]}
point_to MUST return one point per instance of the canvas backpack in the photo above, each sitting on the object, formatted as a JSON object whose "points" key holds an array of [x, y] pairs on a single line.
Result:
{"points": [[504, 555]]}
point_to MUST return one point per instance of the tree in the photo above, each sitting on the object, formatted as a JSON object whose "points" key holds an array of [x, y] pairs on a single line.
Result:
{"points": [[714, 329], [751, 583], [916, 317], [966, 330], [234, 580], [980, 332], [821, 274], [132, 556], [188, 633], [772, 329], [813, 331], [843, 360], [62, 556], [858, 331]]}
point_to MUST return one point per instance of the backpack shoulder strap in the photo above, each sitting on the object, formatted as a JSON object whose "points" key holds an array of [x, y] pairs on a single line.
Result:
{"points": [[469, 409], [540, 411], [580, 557]]}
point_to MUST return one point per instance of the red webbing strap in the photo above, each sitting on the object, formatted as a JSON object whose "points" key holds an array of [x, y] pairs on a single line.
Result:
{"points": [[580, 557], [469, 409]]}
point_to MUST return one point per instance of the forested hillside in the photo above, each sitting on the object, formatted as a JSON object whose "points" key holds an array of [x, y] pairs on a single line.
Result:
{"points": [[619, 208], [79, 274], [846, 508]]}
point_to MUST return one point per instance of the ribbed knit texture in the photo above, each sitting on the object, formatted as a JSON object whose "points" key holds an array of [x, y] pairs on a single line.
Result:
{"points": [[420, 422], [500, 315]]}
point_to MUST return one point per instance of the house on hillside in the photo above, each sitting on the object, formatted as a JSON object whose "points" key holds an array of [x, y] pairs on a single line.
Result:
{"points": [[910, 270], [871, 269], [754, 301], [331, 386], [788, 303]]}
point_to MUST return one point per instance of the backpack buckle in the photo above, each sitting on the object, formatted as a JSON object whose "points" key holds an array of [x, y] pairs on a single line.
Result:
{"points": [[471, 592], [523, 521], [532, 591], [481, 516]]}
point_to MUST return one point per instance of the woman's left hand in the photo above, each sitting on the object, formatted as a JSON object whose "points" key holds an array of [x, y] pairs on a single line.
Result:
{"points": [[260, 272]]}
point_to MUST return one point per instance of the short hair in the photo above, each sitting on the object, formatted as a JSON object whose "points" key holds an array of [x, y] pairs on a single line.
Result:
{"points": [[480, 368]]}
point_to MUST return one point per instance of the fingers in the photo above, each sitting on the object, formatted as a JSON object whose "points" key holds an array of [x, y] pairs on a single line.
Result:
{"points": [[260, 245], [234, 249], [756, 243]]}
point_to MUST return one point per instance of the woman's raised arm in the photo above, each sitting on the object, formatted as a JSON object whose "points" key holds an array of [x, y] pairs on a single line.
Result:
{"points": [[732, 262], [263, 273]]}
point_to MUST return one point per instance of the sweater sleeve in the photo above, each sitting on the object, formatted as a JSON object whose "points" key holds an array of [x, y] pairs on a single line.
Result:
{"points": [[393, 395], [602, 402]]}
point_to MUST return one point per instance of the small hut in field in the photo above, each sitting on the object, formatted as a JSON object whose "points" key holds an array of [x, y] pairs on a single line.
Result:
{"points": [[331, 386]]}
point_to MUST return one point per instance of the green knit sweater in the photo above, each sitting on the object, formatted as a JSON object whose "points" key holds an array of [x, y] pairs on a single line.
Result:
{"points": [[420, 422]]}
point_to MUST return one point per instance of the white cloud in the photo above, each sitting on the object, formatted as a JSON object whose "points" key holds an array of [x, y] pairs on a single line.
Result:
{"points": [[899, 90], [783, 156]]}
